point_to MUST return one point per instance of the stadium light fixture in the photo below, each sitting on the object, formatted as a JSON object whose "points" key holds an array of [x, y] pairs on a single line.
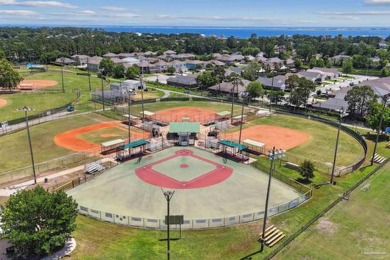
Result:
{"points": [[272, 155], [168, 196], [26, 109], [244, 95], [62, 74]]}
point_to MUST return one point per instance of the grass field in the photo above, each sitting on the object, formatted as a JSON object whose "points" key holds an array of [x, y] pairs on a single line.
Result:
{"points": [[320, 146], [354, 229], [14, 147]]}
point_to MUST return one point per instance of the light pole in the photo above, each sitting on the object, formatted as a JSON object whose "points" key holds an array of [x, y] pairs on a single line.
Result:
{"points": [[129, 111], [168, 196], [26, 109], [89, 76], [272, 155], [231, 112], [337, 144], [62, 75], [142, 98], [384, 98], [244, 95], [101, 77]]}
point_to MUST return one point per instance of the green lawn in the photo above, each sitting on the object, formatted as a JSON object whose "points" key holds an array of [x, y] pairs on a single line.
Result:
{"points": [[14, 147], [320, 146], [354, 229]]}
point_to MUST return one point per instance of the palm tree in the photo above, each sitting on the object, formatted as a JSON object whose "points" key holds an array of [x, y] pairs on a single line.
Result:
{"points": [[306, 169]]}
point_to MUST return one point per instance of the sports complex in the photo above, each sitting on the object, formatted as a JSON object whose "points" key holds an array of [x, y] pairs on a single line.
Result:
{"points": [[215, 161]]}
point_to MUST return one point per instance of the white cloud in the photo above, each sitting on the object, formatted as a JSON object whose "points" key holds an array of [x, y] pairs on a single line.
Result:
{"points": [[125, 15], [23, 13], [86, 12], [37, 3], [377, 2], [356, 13], [113, 8]]}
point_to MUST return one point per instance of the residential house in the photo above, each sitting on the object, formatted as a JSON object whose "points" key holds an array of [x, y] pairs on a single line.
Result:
{"points": [[94, 63], [80, 59], [179, 66], [64, 61], [130, 61], [160, 66], [383, 45], [183, 81], [227, 87], [312, 76], [275, 83], [169, 53], [327, 72], [110, 55], [194, 64], [338, 59]]}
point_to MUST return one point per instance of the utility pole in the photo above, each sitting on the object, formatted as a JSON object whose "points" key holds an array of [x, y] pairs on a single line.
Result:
{"points": [[62, 74]]}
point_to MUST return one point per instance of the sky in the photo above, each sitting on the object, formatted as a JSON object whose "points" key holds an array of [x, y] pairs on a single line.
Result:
{"points": [[245, 13]]}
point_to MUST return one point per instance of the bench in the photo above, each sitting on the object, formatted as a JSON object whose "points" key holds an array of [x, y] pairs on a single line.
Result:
{"points": [[268, 229], [93, 167], [274, 237], [292, 166], [277, 240]]}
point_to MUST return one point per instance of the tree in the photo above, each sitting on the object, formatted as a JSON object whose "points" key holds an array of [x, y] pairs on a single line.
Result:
{"points": [[300, 90], [385, 72], [107, 66], [276, 96], [251, 71], [206, 80], [118, 71], [9, 77], [171, 70], [36, 221], [359, 99], [255, 89], [347, 66], [298, 63], [132, 72], [306, 169], [374, 114]]}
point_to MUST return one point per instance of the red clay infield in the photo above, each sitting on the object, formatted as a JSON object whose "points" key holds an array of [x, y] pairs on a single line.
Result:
{"points": [[219, 174], [70, 141], [3, 102], [280, 137], [36, 83], [194, 114]]}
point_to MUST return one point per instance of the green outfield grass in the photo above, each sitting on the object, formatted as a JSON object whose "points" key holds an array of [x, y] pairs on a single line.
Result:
{"points": [[40, 102], [354, 229], [14, 147], [320, 146]]}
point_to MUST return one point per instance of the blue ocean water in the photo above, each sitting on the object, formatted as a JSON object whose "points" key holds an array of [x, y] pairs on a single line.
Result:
{"points": [[246, 32]]}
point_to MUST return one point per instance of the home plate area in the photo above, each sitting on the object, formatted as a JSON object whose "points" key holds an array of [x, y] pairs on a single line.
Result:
{"points": [[184, 170]]}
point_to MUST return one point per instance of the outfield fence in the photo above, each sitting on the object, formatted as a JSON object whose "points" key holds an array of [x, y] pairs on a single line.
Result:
{"points": [[53, 165], [204, 223]]}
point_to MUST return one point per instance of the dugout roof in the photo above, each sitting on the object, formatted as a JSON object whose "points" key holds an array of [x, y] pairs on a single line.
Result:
{"points": [[233, 144], [112, 142], [134, 144], [223, 113], [184, 127]]}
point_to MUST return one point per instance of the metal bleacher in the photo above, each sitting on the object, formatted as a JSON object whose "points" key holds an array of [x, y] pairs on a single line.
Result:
{"points": [[93, 167]]}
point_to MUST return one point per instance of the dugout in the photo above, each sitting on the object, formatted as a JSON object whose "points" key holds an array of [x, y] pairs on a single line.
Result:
{"points": [[111, 146], [254, 147], [233, 150], [183, 133], [135, 148], [133, 119], [237, 119], [223, 115]]}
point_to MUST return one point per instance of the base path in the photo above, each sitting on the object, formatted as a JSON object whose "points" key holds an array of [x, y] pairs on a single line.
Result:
{"points": [[271, 136], [192, 114], [3, 102], [37, 83]]}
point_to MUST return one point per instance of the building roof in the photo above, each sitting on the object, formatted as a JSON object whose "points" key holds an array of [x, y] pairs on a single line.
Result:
{"points": [[278, 82], [232, 144], [228, 87], [134, 144], [184, 80], [332, 104], [112, 142], [310, 75], [184, 127], [110, 55], [95, 60]]}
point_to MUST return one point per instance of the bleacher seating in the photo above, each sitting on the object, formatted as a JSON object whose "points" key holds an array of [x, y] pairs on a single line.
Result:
{"points": [[272, 236], [93, 167], [379, 159]]}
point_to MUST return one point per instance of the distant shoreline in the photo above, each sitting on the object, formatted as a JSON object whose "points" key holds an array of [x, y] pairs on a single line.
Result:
{"points": [[238, 32]]}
